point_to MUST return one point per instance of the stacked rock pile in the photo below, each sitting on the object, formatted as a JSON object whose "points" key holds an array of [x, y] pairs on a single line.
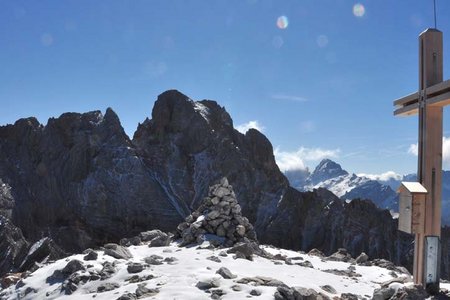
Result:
{"points": [[219, 214]]}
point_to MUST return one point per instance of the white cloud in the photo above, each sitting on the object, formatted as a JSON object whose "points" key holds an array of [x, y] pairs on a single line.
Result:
{"points": [[413, 149], [382, 177], [295, 160], [289, 98], [243, 128]]}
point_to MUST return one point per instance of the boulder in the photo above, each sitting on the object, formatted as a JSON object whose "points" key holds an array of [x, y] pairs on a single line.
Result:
{"points": [[225, 273], [117, 251], [91, 255], [135, 268]]}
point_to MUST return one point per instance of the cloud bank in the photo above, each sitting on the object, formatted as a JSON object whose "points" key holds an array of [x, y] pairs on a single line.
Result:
{"points": [[295, 160], [382, 177]]}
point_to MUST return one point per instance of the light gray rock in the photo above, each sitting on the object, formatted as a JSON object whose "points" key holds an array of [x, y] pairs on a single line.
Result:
{"points": [[383, 293], [107, 286], [362, 258], [225, 273], [160, 241], [208, 284], [301, 293], [91, 255], [117, 251], [143, 292], [135, 268], [127, 296], [329, 289]]}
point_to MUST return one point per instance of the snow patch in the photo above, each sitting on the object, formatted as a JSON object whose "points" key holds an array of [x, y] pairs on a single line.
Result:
{"points": [[202, 109]]}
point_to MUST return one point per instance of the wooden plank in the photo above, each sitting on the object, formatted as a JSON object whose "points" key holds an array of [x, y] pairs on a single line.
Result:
{"points": [[409, 110], [439, 100], [404, 101], [439, 88]]}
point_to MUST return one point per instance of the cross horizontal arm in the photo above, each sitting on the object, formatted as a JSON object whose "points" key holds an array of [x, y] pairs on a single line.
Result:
{"points": [[437, 95]]}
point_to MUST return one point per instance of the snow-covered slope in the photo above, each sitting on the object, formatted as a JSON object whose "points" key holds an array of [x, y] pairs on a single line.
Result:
{"points": [[191, 273]]}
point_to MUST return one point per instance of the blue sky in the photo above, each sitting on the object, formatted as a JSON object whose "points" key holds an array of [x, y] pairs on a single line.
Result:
{"points": [[322, 86]]}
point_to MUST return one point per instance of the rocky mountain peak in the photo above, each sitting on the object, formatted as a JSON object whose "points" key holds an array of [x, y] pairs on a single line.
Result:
{"points": [[174, 112], [326, 169]]}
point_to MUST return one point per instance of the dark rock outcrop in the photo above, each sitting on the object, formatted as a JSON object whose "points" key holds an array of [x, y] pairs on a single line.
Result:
{"points": [[13, 246]]}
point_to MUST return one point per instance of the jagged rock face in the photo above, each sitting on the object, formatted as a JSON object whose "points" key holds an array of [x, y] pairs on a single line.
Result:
{"points": [[381, 195], [77, 180], [318, 219], [190, 145], [81, 181], [325, 170], [6, 200], [13, 246]]}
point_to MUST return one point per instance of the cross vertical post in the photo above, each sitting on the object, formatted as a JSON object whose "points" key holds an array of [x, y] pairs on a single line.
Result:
{"points": [[429, 146], [428, 103]]}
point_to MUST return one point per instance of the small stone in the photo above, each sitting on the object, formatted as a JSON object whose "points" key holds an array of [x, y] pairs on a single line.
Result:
{"points": [[223, 254], [362, 258], [135, 268], [255, 292], [142, 291], [214, 258], [107, 270], [236, 288], [160, 241], [306, 264], [107, 286], [170, 260], [304, 293], [92, 255], [225, 273], [329, 289], [213, 214], [127, 296], [215, 200], [117, 251], [221, 192], [316, 252], [153, 260], [240, 229], [221, 230], [207, 284]]}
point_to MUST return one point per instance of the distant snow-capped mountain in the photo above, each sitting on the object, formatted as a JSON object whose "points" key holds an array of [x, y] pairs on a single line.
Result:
{"points": [[382, 191], [330, 175]]}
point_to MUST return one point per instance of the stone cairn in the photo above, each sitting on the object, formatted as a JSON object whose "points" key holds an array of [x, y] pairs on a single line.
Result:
{"points": [[220, 215]]}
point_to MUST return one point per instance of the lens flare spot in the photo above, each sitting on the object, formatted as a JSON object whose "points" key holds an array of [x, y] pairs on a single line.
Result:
{"points": [[322, 41], [359, 10], [282, 22]]}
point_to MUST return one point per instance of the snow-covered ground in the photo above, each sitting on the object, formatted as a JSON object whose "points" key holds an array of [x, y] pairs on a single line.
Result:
{"points": [[178, 279]]}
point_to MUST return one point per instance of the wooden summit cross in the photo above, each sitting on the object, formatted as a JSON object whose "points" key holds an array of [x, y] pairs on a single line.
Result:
{"points": [[428, 102]]}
